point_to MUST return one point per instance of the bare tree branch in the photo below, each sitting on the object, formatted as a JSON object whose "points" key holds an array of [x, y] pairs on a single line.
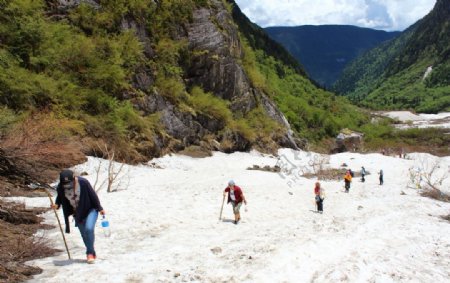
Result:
{"points": [[113, 180]]}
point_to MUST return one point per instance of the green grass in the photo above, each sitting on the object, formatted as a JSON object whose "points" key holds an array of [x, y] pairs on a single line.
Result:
{"points": [[312, 112]]}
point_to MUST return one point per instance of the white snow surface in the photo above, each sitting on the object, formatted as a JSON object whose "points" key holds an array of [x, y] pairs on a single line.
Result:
{"points": [[165, 225], [440, 120]]}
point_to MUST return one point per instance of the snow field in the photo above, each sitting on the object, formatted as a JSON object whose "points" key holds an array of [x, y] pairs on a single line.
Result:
{"points": [[165, 225]]}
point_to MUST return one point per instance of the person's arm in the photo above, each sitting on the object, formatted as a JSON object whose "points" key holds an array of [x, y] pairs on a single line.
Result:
{"points": [[227, 189], [243, 198], [58, 200], [94, 197]]}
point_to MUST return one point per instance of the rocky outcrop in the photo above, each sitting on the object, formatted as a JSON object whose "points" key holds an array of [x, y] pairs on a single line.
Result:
{"points": [[215, 40], [348, 140], [214, 64], [215, 45]]}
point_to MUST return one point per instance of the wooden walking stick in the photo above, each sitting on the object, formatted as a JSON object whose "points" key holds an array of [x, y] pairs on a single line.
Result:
{"points": [[59, 222], [221, 209]]}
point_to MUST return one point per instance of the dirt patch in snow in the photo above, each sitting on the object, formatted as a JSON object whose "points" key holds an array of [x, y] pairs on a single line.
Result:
{"points": [[18, 224], [18, 243]]}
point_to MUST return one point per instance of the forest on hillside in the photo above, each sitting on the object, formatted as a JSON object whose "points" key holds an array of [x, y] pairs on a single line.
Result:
{"points": [[408, 72]]}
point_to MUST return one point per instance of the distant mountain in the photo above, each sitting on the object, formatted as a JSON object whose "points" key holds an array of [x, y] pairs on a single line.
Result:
{"points": [[409, 72], [324, 51]]}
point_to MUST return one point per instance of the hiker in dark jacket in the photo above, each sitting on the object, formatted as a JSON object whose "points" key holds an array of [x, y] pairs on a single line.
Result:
{"points": [[363, 174], [236, 197], [78, 198], [381, 177]]}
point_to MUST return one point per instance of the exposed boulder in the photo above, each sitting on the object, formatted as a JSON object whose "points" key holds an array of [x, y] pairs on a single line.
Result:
{"points": [[231, 142], [348, 140]]}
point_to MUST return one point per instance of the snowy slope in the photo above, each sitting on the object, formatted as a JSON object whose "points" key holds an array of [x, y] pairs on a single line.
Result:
{"points": [[411, 120], [165, 225]]}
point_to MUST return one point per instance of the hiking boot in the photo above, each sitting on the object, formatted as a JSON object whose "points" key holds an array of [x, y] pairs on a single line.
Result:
{"points": [[90, 258], [235, 222]]}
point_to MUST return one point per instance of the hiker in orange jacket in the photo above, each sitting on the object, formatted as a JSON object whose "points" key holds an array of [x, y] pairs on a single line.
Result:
{"points": [[347, 180]]}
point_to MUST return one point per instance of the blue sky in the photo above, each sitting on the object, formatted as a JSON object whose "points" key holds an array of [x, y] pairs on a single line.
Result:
{"points": [[387, 15]]}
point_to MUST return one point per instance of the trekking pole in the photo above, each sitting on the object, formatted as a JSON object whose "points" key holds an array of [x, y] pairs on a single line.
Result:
{"points": [[221, 209], [43, 187], [59, 222]]}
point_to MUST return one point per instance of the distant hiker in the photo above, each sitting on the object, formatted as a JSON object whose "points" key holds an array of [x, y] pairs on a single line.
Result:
{"points": [[236, 197], [347, 180], [79, 199], [363, 174], [381, 177], [319, 197]]}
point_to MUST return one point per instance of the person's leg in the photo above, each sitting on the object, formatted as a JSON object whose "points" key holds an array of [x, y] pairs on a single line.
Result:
{"points": [[320, 206], [236, 208], [81, 227], [88, 231], [233, 204]]}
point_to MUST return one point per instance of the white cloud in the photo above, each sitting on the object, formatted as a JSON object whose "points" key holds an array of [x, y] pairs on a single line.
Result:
{"points": [[379, 14]]}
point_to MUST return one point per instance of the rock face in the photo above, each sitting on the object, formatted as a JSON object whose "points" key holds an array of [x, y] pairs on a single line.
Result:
{"points": [[215, 49], [213, 36], [216, 68], [214, 65]]}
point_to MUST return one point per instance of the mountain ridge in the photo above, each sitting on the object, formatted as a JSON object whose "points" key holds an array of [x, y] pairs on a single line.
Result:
{"points": [[326, 49], [415, 74]]}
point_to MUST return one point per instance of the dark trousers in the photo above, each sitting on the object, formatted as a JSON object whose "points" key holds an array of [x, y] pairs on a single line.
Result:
{"points": [[381, 179], [347, 186], [319, 205], [362, 178]]}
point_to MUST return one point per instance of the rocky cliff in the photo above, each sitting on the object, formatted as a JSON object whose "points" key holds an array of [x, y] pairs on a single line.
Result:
{"points": [[150, 77], [213, 63]]}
